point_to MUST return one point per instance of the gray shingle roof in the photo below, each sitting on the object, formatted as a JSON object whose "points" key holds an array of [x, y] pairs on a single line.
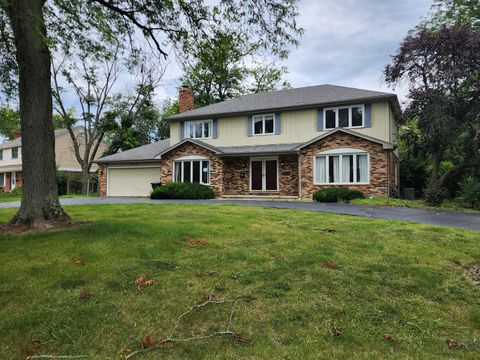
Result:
{"points": [[258, 149], [141, 153], [303, 97], [18, 141]]}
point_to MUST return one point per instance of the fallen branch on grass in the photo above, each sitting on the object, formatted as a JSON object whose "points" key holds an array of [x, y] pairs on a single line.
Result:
{"points": [[209, 299]]}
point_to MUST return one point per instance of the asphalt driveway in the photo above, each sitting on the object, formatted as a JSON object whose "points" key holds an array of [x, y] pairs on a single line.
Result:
{"points": [[469, 221]]}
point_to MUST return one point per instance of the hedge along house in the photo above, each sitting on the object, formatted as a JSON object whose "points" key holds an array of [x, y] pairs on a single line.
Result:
{"points": [[286, 143]]}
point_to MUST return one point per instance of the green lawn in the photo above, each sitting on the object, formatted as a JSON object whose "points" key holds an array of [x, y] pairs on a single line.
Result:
{"points": [[11, 197], [311, 285], [446, 205]]}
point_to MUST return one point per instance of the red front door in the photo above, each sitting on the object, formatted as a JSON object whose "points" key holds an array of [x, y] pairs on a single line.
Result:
{"points": [[257, 176]]}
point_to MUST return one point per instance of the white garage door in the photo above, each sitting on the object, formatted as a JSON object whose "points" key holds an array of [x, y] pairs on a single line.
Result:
{"points": [[131, 181]]}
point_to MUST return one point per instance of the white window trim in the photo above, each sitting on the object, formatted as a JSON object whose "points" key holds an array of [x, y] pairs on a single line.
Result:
{"points": [[263, 116], [341, 153], [13, 180], [186, 126], [18, 152], [264, 177], [182, 160], [349, 117]]}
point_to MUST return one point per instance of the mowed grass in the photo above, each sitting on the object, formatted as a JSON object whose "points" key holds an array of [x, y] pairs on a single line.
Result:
{"points": [[455, 205], [312, 285]]}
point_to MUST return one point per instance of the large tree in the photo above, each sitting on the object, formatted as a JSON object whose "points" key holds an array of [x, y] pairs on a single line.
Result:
{"points": [[105, 106], [441, 67], [31, 29], [227, 66]]}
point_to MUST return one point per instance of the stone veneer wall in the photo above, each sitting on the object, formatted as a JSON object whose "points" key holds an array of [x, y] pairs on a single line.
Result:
{"points": [[189, 149], [378, 158], [236, 177], [102, 180]]}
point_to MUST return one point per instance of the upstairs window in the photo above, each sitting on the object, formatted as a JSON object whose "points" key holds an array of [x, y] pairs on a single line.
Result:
{"points": [[344, 117], [198, 129], [15, 152], [263, 124], [1, 154]]}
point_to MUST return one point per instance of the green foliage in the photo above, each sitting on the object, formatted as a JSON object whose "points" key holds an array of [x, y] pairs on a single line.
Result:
{"points": [[337, 194], [17, 191], [9, 121], [217, 70], [443, 101], [414, 157], [470, 193], [176, 190], [62, 181], [454, 12]]}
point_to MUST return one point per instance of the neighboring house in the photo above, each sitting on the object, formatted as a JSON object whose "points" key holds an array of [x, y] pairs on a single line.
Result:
{"points": [[286, 143], [11, 158]]}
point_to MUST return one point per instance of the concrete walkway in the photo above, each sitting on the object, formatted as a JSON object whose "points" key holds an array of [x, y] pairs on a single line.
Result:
{"points": [[458, 219]]}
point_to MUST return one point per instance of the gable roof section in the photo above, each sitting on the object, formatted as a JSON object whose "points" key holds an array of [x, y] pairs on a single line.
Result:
{"points": [[386, 145], [18, 141], [192, 141], [141, 153], [304, 97]]}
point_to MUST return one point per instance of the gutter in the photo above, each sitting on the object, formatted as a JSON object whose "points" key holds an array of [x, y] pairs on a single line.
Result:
{"points": [[286, 108]]}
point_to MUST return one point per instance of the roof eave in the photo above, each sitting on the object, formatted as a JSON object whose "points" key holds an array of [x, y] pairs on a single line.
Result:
{"points": [[185, 116], [106, 161]]}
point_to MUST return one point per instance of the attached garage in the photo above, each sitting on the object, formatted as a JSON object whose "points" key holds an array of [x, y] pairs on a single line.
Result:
{"points": [[131, 172], [134, 181]]}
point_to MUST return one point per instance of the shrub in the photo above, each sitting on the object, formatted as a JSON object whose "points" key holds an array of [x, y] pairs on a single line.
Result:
{"points": [[336, 194], [176, 190], [17, 191], [471, 193]]}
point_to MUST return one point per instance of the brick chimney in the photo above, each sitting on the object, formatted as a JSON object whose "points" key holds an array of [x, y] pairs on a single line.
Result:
{"points": [[16, 133], [185, 99]]}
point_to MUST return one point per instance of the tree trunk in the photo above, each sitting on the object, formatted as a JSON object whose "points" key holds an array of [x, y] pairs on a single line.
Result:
{"points": [[40, 203], [85, 177], [435, 194]]}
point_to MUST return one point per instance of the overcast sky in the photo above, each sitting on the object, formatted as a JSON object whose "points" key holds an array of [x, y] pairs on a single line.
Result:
{"points": [[346, 42]]}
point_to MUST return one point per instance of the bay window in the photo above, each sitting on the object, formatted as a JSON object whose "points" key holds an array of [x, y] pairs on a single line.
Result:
{"points": [[198, 129], [341, 166], [197, 171], [344, 117]]}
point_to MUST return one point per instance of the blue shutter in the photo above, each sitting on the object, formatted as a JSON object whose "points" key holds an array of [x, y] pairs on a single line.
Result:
{"points": [[278, 124], [250, 126], [214, 128], [368, 115], [320, 119], [182, 130]]}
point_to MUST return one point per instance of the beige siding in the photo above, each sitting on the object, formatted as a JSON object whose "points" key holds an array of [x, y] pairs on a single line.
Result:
{"points": [[7, 157], [297, 126], [65, 153]]}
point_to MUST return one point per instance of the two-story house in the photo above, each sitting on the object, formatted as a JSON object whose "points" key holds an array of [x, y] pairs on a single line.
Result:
{"points": [[11, 158], [286, 143]]}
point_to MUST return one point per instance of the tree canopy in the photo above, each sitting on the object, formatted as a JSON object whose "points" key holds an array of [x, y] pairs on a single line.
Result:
{"points": [[31, 30]]}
